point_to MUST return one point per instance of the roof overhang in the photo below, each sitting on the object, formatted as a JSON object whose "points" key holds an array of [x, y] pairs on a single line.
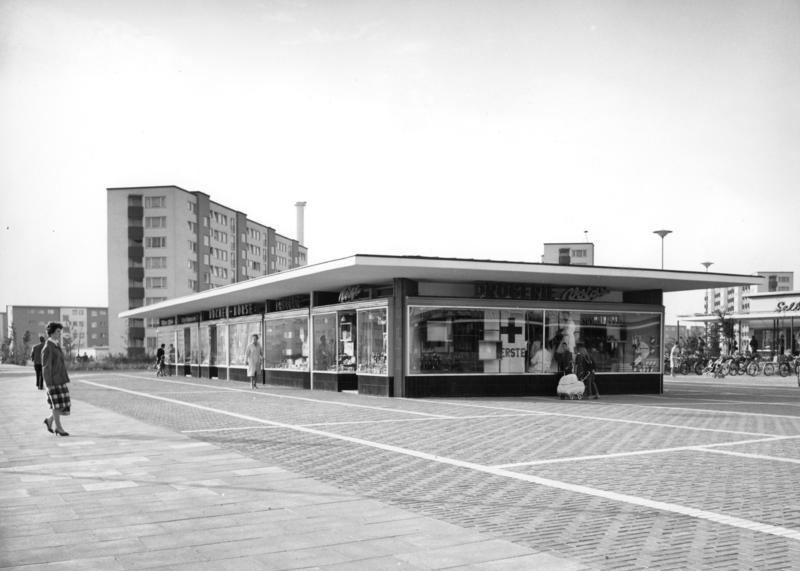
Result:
{"points": [[365, 269]]}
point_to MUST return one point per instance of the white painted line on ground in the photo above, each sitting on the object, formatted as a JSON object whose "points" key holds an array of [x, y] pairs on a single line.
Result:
{"points": [[466, 417], [621, 420], [260, 427], [732, 521], [755, 456], [260, 392], [697, 447]]}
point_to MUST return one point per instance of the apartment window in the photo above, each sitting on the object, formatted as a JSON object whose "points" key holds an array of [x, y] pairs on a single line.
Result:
{"points": [[151, 343], [192, 207], [205, 259], [152, 322], [155, 241], [156, 282], [205, 241], [205, 221], [157, 262], [192, 265], [206, 277], [244, 254], [193, 246], [192, 226], [783, 279], [51, 311], [192, 285], [155, 221], [94, 335], [578, 253], [152, 300], [256, 266], [155, 201]]}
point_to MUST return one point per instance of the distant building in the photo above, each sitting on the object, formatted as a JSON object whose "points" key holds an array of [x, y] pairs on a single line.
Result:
{"points": [[3, 327], [569, 253], [166, 242], [84, 327]]}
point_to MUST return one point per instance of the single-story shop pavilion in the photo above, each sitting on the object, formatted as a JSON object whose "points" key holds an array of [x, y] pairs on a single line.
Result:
{"points": [[410, 326]]}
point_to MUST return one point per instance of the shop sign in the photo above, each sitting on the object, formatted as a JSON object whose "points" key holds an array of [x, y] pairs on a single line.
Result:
{"points": [[190, 318], [243, 309], [350, 293], [783, 306], [290, 302], [528, 292], [166, 321], [215, 313]]}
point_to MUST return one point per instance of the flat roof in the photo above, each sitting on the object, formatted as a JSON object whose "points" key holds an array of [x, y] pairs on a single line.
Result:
{"points": [[371, 269]]}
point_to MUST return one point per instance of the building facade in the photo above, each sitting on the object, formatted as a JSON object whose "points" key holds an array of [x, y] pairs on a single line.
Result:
{"points": [[569, 253], [417, 327], [84, 327], [165, 242]]}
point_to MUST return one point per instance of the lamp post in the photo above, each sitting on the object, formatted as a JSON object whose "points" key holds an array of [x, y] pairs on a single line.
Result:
{"points": [[662, 233], [706, 265]]}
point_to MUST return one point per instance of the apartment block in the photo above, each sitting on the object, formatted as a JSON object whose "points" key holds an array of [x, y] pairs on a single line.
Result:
{"points": [[84, 327], [165, 242]]}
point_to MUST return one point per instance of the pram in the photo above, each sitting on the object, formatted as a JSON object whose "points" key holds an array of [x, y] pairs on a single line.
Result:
{"points": [[569, 387]]}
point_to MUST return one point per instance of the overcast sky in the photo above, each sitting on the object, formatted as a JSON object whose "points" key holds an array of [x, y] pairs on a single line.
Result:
{"points": [[477, 129]]}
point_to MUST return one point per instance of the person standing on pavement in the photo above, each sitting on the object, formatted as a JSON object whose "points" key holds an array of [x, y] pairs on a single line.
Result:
{"points": [[754, 345], [54, 371], [584, 368], [36, 357], [252, 358], [674, 358]]}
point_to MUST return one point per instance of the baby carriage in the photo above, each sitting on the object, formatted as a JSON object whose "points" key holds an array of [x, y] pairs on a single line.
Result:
{"points": [[569, 387]]}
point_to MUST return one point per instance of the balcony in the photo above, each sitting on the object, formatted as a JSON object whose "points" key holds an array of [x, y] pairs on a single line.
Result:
{"points": [[135, 253], [136, 293], [136, 274], [135, 233], [135, 212]]}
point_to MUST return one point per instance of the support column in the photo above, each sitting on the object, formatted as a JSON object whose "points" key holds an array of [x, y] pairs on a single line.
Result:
{"points": [[403, 288]]}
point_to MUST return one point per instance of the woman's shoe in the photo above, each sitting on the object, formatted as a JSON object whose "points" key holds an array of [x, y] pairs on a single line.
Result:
{"points": [[48, 426], [61, 432]]}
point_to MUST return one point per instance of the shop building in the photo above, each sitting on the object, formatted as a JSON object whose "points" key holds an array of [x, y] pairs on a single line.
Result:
{"points": [[773, 318], [418, 327]]}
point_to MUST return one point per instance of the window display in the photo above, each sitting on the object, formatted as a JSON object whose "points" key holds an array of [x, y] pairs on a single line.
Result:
{"points": [[373, 341], [239, 335], [204, 346], [220, 355], [194, 347], [347, 341], [166, 337], [325, 342], [286, 343], [505, 341]]}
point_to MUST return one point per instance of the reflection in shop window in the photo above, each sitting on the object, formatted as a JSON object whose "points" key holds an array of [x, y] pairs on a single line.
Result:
{"points": [[325, 342], [347, 341], [286, 343], [204, 346], [373, 342]]}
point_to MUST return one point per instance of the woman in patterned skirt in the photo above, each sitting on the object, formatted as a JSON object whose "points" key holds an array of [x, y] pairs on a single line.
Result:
{"points": [[54, 371]]}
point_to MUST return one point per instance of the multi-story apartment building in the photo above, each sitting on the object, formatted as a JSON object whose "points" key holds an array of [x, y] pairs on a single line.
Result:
{"points": [[84, 327], [165, 242], [737, 300]]}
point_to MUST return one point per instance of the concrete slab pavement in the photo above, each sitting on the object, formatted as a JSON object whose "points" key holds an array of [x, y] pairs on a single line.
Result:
{"points": [[121, 494]]}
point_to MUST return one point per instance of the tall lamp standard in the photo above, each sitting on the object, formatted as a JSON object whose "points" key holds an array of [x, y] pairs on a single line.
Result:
{"points": [[662, 233], [706, 265]]}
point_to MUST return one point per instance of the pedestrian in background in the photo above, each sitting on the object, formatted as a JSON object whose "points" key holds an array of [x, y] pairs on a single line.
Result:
{"points": [[252, 358], [674, 358], [54, 371], [36, 357], [584, 368]]}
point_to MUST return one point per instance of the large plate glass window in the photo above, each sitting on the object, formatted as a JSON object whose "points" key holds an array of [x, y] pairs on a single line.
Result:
{"points": [[372, 341], [204, 345], [286, 343], [239, 336], [325, 342], [450, 340]]}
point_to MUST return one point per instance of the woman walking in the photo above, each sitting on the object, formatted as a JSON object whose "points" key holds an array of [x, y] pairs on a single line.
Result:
{"points": [[252, 358], [54, 371]]}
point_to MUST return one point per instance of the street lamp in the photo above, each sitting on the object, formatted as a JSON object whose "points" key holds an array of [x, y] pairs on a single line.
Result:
{"points": [[662, 233], [706, 265]]}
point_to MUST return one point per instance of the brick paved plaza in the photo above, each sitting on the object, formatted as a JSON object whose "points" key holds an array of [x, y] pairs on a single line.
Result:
{"points": [[703, 477]]}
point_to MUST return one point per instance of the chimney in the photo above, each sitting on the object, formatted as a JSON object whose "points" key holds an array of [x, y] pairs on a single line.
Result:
{"points": [[300, 221]]}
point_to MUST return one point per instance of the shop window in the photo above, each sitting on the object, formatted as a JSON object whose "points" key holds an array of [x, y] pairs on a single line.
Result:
{"points": [[346, 330], [373, 342], [286, 343], [203, 346], [505, 341], [239, 335], [325, 342]]}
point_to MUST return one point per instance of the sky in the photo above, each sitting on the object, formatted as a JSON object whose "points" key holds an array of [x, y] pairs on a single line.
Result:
{"points": [[462, 128]]}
